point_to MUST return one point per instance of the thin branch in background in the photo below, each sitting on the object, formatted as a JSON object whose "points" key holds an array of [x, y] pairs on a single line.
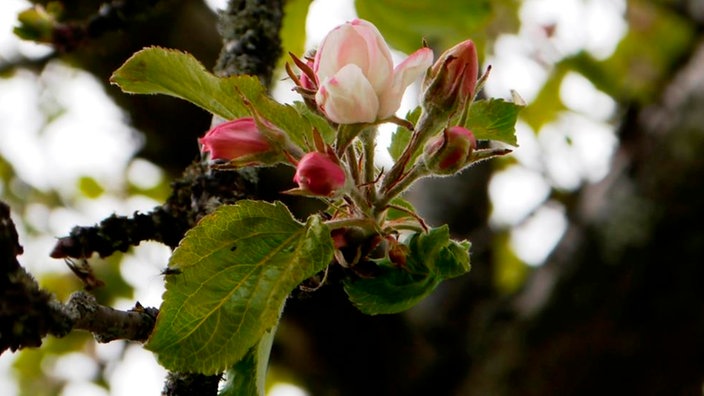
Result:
{"points": [[28, 313], [195, 194]]}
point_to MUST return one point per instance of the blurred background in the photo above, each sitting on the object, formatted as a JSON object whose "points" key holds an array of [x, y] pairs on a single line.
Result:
{"points": [[588, 248]]}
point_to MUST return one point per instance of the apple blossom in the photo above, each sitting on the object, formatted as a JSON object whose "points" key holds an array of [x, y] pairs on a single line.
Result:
{"points": [[356, 77], [319, 174], [235, 139]]}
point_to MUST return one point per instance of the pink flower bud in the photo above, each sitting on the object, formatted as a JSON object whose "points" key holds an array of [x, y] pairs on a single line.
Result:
{"points": [[318, 174], [235, 139], [356, 76], [450, 152], [450, 82]]}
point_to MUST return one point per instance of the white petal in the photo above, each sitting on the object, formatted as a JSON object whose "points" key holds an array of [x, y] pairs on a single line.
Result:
{"points": [[348, 97], [405, 73]]}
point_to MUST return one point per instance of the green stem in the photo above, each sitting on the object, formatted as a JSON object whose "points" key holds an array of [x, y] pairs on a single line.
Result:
{"points": [[426, 127], [369, 171], [359, 199], [345, 135], [419, 170], [351, 157]]}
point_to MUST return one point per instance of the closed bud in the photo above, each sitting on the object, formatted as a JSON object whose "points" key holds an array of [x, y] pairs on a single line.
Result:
{"points": [[234, 139], [450, 152], [243, 143], [319, 174], [450, 82]]}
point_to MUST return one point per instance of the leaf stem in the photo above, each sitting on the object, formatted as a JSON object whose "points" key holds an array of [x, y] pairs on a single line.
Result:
{"points": [[352, 164]]}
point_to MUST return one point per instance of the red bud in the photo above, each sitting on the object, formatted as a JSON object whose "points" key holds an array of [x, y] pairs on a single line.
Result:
{"points": [[319, 174], [450, 152], [450, 82]]}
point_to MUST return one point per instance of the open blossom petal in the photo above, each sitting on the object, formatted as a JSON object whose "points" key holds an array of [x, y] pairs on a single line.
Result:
{"points": [[358, 43], [347, 97], [404, 74]]}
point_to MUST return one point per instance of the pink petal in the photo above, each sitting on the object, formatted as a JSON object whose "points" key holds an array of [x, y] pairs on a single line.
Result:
{"points": [[380, 64], [359, 43], [404, 74]]}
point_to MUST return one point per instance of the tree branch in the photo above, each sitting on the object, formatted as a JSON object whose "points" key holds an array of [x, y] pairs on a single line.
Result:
{"points": [[28, 313], [251, 44], [108, 324], [196, 193]]}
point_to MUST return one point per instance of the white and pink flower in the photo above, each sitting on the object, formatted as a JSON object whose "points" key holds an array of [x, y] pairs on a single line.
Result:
{"points": [[357, 81]]}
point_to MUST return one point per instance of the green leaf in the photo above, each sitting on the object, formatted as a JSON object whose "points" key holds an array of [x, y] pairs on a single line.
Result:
{"points": [[169, 72], [318, 122], [401, 137], [432, 258], [394, 214], [162, 71], [494, 119], [36, 24], [228, 280]]}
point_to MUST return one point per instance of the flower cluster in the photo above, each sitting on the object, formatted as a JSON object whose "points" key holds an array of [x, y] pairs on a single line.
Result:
{"points": [[352, 82]]}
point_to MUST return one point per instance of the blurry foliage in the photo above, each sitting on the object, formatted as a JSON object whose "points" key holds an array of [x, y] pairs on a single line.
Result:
{"points": [[293, 30], [33, 366], [657, 40], [405, 24], [90, 187], [510, 271]]}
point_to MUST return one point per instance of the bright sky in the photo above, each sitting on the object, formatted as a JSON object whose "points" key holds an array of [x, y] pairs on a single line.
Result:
{"points": [[91, 138]]}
